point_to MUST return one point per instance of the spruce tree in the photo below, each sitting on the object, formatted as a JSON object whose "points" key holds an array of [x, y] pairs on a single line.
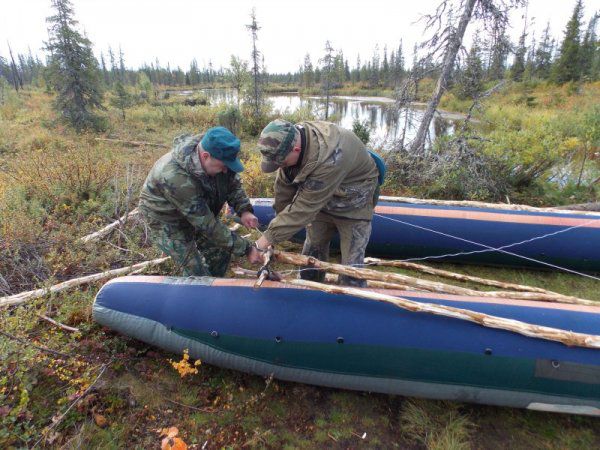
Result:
{"points": [[568, 65], [308, 75], [589, 50], [500, 48], [470, 82], [73, 70], [327, 61], [518, 67], [543, 55]]}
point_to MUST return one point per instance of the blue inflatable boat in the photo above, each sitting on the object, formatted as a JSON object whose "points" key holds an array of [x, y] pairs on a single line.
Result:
{"points": [[343, 341], [537, 238]]}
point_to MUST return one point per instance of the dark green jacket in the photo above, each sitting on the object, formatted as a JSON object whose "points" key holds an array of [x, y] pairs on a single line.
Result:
{"points": [[337, 176], [178, 192]]}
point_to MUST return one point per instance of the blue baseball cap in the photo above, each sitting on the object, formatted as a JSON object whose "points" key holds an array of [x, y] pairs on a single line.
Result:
{"points": [[224, 146]]}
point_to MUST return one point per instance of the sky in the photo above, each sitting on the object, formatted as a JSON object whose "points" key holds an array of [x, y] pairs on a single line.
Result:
{"points": [[176, 31]]}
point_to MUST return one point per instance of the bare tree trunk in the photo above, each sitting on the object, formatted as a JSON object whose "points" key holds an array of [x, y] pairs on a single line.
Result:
{"points": [[452, 48], [17, 80]]}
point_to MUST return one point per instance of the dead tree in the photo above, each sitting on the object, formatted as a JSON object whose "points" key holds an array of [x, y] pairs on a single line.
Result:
{"points": [[447, 39], [256, 72]]}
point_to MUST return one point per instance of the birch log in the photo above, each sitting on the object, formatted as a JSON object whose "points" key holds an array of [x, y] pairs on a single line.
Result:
{"points": [[565, 337], [37, 293], [431, 286], [96, 236]]}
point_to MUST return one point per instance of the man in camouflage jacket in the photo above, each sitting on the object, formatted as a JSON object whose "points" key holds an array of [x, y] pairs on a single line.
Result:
{"points": [[183, 196], [326, 181]]}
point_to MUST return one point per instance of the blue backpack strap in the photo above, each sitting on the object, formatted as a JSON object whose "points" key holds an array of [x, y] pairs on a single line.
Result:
{"points": [[380, 163]]}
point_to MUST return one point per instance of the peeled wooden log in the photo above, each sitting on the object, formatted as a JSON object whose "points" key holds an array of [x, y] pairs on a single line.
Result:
{"points": [[108, 228], [461, 277], [37, 293], [536, 331], [505, 206], [331, 278], [431, 286]]}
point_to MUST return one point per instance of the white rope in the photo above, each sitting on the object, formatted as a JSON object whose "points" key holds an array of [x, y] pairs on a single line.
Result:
{"points": [[489, 248]]}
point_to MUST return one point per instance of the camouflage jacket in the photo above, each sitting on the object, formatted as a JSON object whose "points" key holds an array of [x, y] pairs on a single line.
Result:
{"points": [[177, 191], [336, 176]]}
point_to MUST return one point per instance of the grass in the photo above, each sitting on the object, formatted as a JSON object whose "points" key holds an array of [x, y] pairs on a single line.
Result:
{"points": [[56, 186]]}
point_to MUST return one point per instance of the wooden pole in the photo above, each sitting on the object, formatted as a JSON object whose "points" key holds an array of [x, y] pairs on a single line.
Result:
{"points": [[565, 337], [331, 278], [37, 293], [461, 277], [431, 286]]}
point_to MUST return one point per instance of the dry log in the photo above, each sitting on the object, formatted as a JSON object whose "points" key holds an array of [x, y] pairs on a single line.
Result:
{"points": [[108, 228], [132, 143], [537, 331], [511, 207], [331, 278], [461, 277], [431, 286], [37, 293]]}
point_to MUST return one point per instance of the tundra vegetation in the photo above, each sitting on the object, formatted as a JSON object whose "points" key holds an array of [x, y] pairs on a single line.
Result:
{"points": [[77, 138]]}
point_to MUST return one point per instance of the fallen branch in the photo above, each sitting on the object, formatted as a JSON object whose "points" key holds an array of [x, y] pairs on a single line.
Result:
{"points": [[412, 282], [133, 143], [37, 293], [108, 228], [57, 324], [536, 331], [461, 277]]}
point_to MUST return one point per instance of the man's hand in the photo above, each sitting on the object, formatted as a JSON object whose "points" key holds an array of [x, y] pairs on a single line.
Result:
{"points": [[254, 256], [249, 220], [263, 243]]}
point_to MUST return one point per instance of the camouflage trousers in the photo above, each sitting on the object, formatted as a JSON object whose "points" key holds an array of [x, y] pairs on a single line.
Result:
{"points": [[354, 237], [191, 253]]}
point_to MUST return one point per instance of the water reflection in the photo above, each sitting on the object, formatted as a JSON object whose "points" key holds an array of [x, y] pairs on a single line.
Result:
{"points": [[388, 125]]}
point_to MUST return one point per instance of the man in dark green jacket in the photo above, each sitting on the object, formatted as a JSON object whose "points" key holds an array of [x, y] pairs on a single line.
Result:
{"points": [[327, 182], [183, 196]]}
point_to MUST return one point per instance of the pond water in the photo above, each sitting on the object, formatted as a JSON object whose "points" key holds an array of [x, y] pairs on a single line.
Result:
{"points": [[386, 123]]}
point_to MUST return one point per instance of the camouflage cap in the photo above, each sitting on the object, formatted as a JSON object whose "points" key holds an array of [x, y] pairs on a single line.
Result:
{"points": [[275, 143]]}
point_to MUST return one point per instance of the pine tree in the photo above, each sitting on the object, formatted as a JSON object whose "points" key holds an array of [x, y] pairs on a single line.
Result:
{"points": [[568, 65], [73, 69]]}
